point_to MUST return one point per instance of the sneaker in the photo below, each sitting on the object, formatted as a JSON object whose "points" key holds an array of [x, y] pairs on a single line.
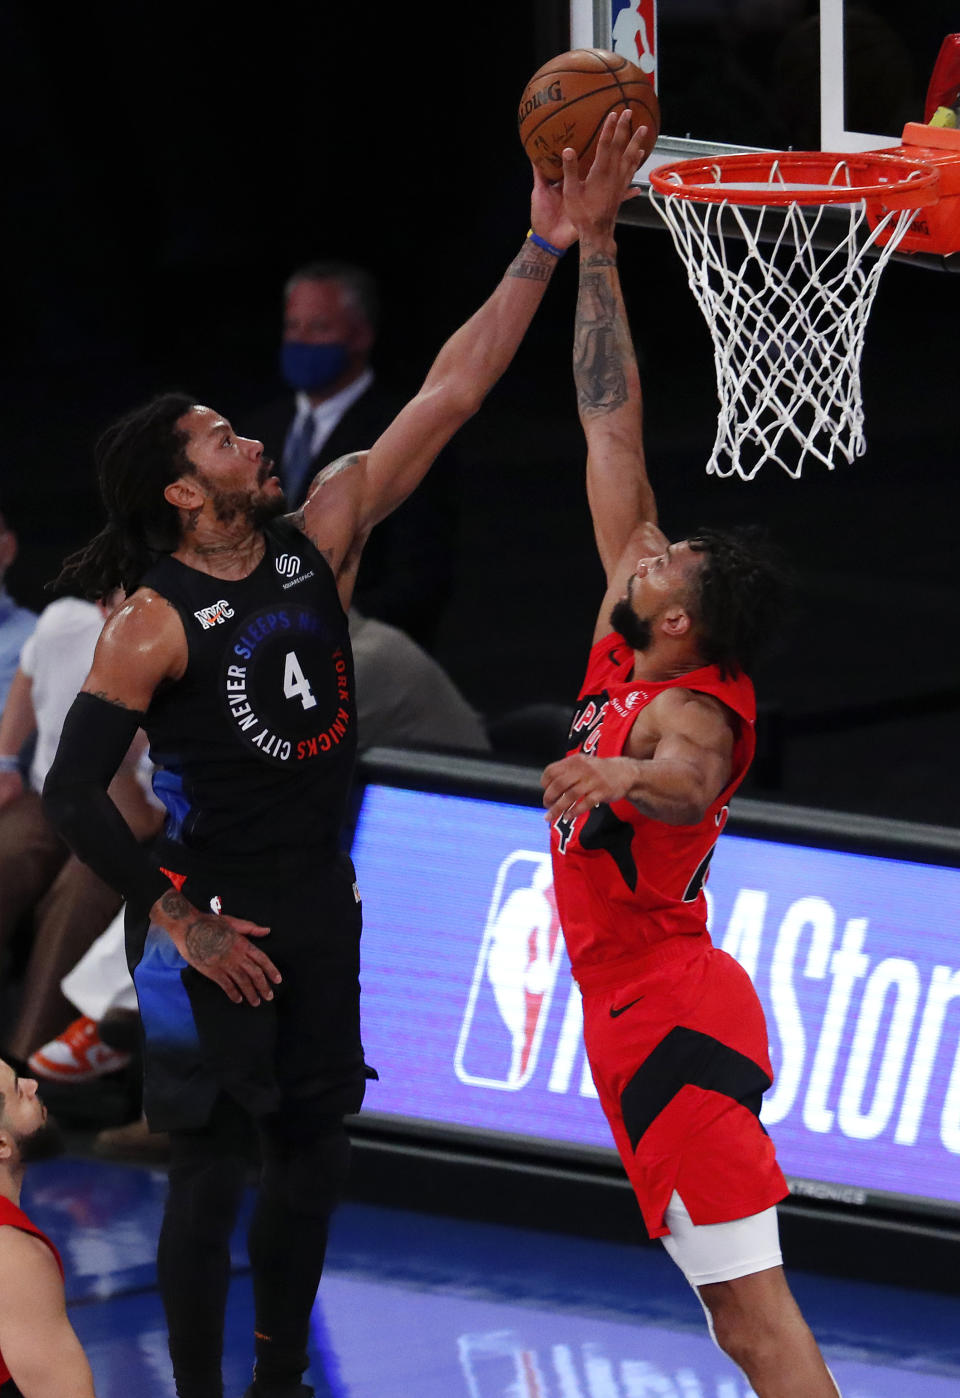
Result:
{"points": [[77, 1055]]}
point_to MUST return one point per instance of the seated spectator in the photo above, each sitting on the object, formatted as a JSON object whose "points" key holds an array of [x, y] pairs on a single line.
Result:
{"points": [[337, 404], [16, 623], [39, 878], [100, 987], [404, 698]]}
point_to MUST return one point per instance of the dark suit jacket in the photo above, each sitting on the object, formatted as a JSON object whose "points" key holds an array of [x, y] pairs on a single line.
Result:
{"points": [[406, 572]]}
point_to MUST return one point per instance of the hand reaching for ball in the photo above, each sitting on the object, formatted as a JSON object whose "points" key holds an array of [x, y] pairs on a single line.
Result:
{"points": [[591, 203], [548, 217]]}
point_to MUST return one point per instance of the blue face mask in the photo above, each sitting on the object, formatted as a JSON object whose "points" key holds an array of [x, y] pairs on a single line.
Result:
{"points": [[311, 367]]}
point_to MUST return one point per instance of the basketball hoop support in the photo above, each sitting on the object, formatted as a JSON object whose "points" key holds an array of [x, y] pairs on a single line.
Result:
{"points": [[936, 229]]}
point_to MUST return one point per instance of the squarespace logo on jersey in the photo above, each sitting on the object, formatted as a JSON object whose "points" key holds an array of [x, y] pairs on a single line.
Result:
{"points": [[287, 686]]}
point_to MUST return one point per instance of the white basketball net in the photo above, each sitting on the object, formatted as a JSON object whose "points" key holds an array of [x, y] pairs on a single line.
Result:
{"points": [[787, 320]]}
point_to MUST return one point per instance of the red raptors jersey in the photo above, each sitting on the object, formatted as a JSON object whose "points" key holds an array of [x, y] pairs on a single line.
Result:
{"points": [[624, 881], [16, 1218]]}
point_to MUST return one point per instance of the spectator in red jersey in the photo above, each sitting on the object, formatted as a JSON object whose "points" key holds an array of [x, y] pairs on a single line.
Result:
{"points": [[661, 738], [40, 1355]]}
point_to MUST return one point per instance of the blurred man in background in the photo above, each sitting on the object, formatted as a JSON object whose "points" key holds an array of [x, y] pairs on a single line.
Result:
{"points": [[16, 623], [337, 403]]}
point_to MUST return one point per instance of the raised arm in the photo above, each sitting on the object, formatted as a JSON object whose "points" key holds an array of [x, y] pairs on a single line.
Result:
{"points": [[605, 370], [351, 495]]}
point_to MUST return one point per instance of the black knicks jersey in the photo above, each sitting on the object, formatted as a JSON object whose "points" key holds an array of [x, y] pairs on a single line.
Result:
{"points": [[254, 746]]}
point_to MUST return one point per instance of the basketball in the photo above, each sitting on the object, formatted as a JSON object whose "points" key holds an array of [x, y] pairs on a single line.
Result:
{"points": [[566, 101]]}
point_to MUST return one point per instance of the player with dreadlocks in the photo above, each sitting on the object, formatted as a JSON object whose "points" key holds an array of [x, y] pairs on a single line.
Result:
{"points": [[232, 652]]}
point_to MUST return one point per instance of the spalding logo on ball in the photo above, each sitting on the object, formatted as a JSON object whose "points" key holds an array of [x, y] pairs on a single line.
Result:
{"points": [[566, 102]]}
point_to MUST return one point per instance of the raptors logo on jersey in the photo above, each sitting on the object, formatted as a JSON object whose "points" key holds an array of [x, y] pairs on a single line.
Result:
{"points": [[587, 722]]}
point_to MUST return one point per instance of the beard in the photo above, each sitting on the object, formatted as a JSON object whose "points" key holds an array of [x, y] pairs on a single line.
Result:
{"points": [[41, 1144], [249, 507], [635, 630], [252, 507]]}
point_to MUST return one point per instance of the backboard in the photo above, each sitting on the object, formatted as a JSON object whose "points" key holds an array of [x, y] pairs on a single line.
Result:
{"points": [[739, 75]]}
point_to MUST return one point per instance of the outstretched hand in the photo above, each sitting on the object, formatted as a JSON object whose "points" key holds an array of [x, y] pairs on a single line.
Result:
{"points": [[591, 204], [577, 783], [547, 214]]}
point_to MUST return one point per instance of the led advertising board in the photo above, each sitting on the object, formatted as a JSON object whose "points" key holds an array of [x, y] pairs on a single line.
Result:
{"points": [[473, 1021]]}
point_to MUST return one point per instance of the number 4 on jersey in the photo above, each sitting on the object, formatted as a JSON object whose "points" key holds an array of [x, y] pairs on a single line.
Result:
{"points": [[295, 683]]}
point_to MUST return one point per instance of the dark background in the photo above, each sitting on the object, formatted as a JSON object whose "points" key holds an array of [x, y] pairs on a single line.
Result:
{"points": [[167, 166]]}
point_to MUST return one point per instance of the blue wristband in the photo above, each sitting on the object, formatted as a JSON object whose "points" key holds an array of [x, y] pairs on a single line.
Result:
{"points": [[542, 243]]}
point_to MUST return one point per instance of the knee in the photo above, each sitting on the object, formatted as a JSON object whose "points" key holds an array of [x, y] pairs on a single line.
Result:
{"points": [[747, 1335], [307, 1177], [204, 1195], [735, 1334]]}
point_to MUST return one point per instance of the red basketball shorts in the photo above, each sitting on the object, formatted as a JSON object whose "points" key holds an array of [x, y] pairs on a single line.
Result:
{"points": [[678, 1050]]}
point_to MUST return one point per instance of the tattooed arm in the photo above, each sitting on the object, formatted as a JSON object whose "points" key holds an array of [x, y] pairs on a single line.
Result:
{"points": [[216, 945], [351, 495], [141, 646], [605, 371]]}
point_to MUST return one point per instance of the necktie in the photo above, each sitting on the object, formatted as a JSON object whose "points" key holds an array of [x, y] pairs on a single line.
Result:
{"points": [[297, 456]]}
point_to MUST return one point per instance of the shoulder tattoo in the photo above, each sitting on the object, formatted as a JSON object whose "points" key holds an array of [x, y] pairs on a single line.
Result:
{"points": [[108, 698]]}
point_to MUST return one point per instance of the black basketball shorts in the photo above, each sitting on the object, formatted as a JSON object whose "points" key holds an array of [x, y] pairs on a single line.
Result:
{"points": [[303, 1046]]}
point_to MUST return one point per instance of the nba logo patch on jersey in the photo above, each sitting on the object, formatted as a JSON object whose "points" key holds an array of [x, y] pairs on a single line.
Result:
{"points": [[514, 977]]}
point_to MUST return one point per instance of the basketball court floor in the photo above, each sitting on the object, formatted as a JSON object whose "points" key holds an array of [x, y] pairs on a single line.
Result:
{"points": [[419, 1306]]}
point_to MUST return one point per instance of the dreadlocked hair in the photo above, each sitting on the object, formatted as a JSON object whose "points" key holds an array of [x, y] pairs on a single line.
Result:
{"points": [[136, 458], [740, 595]]}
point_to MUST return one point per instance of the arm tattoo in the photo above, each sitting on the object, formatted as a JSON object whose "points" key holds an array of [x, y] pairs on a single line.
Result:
{"points": [[109, 698], [299, 522], [598, 343], [207, 939], [174, 904], [298, 518], [532, 264], [336, 468]]}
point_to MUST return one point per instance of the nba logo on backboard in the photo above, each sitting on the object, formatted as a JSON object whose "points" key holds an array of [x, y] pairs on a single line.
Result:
{"points": [[634, 33], [513, 981]]}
